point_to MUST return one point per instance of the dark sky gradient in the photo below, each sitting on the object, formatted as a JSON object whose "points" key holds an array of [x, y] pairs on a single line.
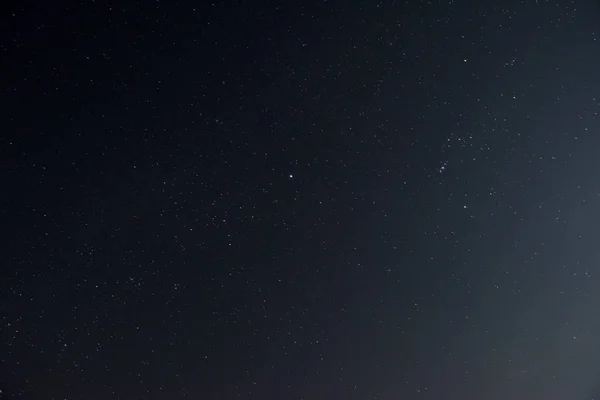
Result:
{"points": [[333, 200]]}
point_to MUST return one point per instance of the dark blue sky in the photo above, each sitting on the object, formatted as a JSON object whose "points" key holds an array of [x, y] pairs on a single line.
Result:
{"points": [[242, 200]]}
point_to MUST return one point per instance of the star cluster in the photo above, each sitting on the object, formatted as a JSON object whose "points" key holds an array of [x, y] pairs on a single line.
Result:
{"points": [[253, 200]]}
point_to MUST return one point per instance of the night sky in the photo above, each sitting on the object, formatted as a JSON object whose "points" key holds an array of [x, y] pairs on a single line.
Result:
{"points": [[305, 200]]}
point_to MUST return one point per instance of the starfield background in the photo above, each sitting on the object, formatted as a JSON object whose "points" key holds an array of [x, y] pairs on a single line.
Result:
{"points": [[300, 200]]}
